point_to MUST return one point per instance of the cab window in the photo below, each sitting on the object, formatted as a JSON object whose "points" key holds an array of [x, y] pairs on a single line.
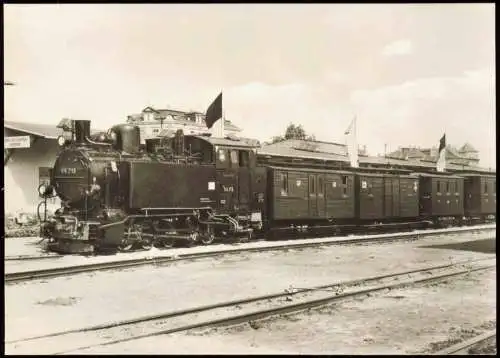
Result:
{"points": [[244, 158], [234, 158], [222, 155], [222, 158]]}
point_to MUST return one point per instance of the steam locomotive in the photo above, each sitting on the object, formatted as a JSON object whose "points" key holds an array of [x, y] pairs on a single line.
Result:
{"points": [[117, 194]]}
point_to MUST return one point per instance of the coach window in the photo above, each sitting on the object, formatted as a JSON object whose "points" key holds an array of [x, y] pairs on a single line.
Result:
{"points": [[486, 187], [344, 184], [320, 185], [448, 187], [284, 185], [312, 186], [438, 186]]}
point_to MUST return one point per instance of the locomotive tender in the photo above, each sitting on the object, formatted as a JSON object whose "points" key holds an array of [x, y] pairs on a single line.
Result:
{"points": [[117, 194]]}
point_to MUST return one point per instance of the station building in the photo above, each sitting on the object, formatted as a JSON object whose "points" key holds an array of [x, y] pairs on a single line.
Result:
{"points": [[293, 151], [30, 150], [152, 122]]}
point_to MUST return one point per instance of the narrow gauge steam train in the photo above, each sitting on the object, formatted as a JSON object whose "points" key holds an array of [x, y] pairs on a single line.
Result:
{"points": [[116, 194]]}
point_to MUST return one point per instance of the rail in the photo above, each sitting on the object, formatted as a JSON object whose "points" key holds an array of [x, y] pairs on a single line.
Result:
{"points": [[71, 270], [193, 318], [463, 347]]}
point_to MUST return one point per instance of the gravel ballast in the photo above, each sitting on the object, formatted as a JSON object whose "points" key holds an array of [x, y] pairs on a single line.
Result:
{"points": [[58, 304]]}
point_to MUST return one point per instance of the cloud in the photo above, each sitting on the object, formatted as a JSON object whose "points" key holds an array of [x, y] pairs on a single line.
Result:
{"points": [[264, 110], [268, 67], [398, 48], [417, 112]]}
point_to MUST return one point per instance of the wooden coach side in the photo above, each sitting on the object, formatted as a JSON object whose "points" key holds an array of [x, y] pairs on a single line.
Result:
{"points": [[408, 196], [340, 195], [370, 196], [387, 196], [480, 197], [441, 195], [310, 194]]}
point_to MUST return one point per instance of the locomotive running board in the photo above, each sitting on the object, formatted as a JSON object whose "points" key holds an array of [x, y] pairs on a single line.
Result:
{"points": [[347, 226]]}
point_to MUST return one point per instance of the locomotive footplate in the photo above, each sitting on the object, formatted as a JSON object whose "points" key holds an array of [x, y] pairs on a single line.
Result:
{"points": [[72, 236], [71, 247]]}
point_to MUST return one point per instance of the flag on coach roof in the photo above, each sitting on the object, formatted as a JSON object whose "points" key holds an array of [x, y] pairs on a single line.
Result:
{"points": [[214, 111], [352, 144], [349, 129], [441, 162]]}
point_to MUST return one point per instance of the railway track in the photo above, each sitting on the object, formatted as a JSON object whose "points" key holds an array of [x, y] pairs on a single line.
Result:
{"points": [[31, 257], [15, 277], [247, 310], [465, 346]]}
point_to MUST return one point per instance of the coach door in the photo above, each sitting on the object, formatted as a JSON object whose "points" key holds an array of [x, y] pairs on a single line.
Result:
{"points": [[396, 197], [316, 195], [313, 203], [320, 196], [391, 196]]}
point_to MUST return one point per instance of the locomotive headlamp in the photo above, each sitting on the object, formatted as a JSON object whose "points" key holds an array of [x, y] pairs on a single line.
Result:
{"points": [[41, 189], [45, 190], [61, 141]]}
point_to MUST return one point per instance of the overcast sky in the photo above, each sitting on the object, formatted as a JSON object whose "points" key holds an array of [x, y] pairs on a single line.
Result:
{"points": [[408, 72]]}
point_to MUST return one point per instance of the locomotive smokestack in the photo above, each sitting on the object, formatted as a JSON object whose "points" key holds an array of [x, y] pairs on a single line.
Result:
{"points": [[82, 131]]}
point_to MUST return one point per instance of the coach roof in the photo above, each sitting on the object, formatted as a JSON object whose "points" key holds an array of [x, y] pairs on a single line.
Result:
{"points": [[230, 142]]}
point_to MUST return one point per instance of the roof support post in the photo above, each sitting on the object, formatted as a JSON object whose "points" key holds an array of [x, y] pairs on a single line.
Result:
{"points": [[7, 153]]}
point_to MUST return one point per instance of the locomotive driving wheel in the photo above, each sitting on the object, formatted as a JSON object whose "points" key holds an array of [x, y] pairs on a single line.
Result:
{"points": [[146, 242], [207, 237], [125, 245], [127, 242], [134, 233]]}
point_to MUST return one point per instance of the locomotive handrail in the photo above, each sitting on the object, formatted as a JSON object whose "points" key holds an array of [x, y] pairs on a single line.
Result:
{"points": [[45, 211], [199, 208], [104, 226], [97, 143]]}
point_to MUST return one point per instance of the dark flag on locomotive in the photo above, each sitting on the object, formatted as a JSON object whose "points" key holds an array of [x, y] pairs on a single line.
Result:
{"points": [[214, 111], [442, 143]]}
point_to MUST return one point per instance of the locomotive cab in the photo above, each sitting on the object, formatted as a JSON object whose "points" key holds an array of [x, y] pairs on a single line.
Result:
{"points": [[240, 184]]}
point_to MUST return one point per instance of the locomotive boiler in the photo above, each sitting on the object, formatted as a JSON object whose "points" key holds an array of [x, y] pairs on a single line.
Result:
{"points": [[116, 193]]}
